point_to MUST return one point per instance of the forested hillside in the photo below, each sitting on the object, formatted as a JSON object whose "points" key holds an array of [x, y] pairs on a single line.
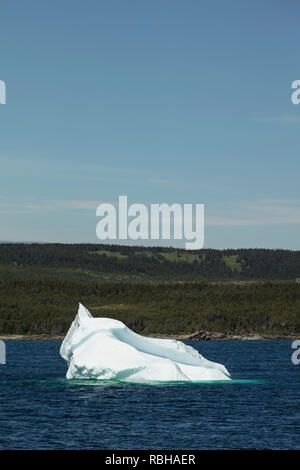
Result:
{"points": [[100, 262], [49, 307], [152, 290]]}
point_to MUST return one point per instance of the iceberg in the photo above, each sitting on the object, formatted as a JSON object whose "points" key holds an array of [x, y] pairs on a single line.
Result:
{"points": [[106, 349]]}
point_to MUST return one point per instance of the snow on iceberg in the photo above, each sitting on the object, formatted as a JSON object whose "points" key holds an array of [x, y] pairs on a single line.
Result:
{"points": [[102, 348]]}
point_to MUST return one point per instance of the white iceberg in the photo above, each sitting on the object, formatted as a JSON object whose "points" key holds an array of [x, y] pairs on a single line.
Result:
{"points": [[104, 349]]}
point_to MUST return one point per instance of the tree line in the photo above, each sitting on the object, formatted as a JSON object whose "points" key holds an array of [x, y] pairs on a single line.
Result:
{"points": [[154, 263], [49, 306]]}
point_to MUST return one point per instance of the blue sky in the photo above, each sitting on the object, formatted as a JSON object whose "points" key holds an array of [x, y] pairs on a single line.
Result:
{"points": [[162, 101]]}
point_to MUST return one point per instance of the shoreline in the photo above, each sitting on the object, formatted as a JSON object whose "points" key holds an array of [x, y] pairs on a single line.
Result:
{"points": [[198, 336]]}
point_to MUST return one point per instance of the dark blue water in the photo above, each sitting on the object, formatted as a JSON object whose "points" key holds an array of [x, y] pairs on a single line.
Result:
{"points": [[259, 409]]}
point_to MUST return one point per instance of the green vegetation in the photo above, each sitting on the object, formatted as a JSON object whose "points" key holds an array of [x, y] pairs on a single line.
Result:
{"points": [[41, 307], [180, 257], [233, 262], [152, 290], [139, 264], [116, 254]]}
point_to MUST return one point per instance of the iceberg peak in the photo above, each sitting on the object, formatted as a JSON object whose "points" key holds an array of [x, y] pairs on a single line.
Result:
{"points": [[83, 312]]}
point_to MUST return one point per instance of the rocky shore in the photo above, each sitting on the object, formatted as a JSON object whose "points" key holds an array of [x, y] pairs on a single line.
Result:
{"points": [[30, 338], [215, 336], [196, 336]]}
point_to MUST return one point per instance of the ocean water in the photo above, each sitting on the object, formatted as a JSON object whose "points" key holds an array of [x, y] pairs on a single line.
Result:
{"points": [[259, 409]]}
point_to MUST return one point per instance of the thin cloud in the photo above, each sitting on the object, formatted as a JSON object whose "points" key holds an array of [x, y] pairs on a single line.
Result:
{"points": [[283, 119], [158, 181], [48, 206], [258, 212]]}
